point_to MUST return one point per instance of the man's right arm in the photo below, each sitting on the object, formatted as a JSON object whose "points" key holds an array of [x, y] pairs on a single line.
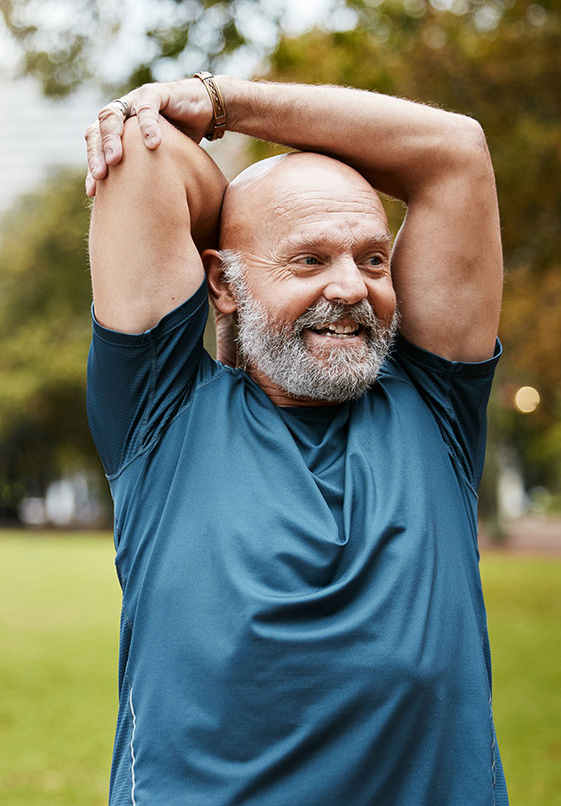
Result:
{"points": [[153, 214]]}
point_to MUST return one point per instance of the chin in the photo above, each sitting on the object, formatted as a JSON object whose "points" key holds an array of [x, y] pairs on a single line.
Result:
{"points": [[327, 380]]}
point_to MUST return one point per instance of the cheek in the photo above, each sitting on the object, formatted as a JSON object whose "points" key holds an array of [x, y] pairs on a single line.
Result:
{"points": [[290, 300], [383, 302], [279, 293]]}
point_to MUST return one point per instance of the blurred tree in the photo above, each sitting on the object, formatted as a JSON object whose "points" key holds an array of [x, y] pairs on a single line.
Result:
{"points": [[67, 42], [44, 332], [506, 73]]}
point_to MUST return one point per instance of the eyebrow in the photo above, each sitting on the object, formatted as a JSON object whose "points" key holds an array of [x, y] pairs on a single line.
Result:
{"points": [[386, 237], [294, 242]]}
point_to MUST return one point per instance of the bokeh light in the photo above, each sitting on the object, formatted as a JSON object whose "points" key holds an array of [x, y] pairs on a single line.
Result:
{"points": [[527, 399]]}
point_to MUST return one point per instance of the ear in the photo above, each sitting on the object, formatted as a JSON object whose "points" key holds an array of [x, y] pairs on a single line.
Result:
{"points": [[220, 291]]}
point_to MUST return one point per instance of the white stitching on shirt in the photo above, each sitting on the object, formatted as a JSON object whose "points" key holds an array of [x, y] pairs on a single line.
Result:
{"points": [[133, 760]]}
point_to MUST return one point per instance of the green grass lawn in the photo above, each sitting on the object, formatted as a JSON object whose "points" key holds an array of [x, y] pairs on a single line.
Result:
{"points": [[523, 598], [59, 618], [59, 615]]}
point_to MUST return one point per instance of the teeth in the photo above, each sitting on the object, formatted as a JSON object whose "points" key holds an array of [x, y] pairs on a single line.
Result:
{"points": [[341, 330]]}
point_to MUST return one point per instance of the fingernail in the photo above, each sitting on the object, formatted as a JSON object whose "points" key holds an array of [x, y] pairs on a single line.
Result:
{"points": [[151, 138]]}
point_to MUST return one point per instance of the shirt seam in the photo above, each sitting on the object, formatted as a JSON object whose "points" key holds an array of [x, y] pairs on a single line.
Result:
{"points": [[157, 436], [462, 368], [135, 340]]}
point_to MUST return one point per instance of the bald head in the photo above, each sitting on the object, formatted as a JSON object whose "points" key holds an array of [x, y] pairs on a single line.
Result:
{"points": [[279, 186]]}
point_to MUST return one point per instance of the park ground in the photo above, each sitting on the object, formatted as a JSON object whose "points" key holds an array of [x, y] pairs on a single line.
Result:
{"points": [[59, 615]]}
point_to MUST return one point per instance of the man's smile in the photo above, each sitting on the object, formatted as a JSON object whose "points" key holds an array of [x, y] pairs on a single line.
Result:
{"points": [[345, 330], [343, 327]]}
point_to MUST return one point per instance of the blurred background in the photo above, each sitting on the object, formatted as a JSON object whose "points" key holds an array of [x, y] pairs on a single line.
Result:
{"points": [[60, 60]]}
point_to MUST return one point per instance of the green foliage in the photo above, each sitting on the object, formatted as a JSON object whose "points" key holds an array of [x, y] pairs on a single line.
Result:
{"points": [[63, 57], [45, 329], [506, 77]]}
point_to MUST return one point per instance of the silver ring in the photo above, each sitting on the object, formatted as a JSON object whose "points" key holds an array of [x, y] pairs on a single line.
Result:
{"points": [[124, 106]]}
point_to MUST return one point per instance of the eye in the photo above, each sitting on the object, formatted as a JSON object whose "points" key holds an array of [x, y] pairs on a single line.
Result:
{"points": [[375, 260], [310, 260]]}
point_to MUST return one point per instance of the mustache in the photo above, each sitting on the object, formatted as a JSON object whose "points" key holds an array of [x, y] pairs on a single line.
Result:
{"points": [[324, 312]]}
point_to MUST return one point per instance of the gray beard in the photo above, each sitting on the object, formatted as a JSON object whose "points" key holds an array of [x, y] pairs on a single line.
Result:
{"points": [[332, 373]]}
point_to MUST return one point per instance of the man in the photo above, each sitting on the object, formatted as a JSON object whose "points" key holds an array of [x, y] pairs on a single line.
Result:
{"points": [[296, 537]]}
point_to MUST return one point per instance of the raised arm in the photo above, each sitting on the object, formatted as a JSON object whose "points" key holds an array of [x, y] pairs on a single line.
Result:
{"points": [[446, 265], [152, 216], [447, 262]]}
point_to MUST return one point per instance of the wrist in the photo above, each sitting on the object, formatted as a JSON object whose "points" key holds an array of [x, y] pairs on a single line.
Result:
{"points": [[234, 91], [219, 119]]}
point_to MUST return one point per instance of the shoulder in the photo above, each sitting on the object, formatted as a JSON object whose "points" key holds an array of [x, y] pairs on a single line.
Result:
{"points": [[407, 359]]}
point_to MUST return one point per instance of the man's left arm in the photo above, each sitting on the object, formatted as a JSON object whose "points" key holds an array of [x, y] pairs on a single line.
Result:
{"points": [[447, 259]]}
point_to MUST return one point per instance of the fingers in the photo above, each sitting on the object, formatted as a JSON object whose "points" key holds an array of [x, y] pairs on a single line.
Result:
{"points": [[90, 185], [104, 137], [111, 124], [97, 167], [103, 140], [103, 143], [148, 102]]}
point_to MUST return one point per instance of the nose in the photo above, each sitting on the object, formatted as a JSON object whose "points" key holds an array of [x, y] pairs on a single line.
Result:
{"points": [[345, 283]]}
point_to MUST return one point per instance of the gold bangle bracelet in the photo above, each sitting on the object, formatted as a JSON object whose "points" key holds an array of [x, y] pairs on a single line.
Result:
{"points": [[218, 106]]}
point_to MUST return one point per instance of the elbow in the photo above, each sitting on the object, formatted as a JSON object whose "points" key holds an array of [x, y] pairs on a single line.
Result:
{"points": [[471, 131], [455, 150], [468, 145]]}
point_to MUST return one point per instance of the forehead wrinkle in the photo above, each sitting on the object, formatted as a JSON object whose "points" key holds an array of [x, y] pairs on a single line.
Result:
{"points": [[312, 200], [313, 225]]}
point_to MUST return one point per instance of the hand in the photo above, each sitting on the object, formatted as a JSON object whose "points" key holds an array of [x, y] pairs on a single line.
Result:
{"points": [[185, 103]]}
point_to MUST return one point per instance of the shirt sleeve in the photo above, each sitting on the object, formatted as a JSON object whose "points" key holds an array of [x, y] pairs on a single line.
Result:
{"points": [[138, 382], [457, 394]]}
